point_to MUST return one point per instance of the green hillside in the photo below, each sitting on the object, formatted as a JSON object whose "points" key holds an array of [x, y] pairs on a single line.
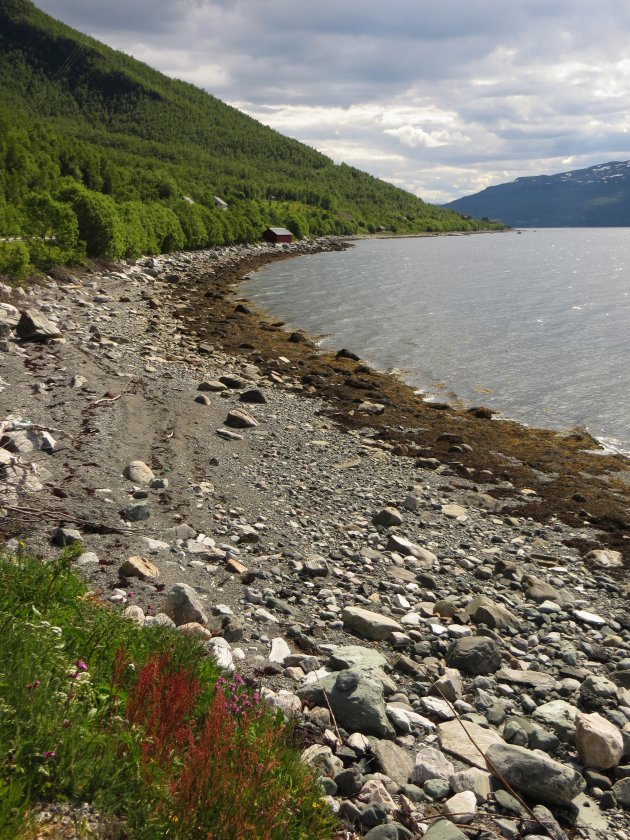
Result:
{"points": [[101, 155]]}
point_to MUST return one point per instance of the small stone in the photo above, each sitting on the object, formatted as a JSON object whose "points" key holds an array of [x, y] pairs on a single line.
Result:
{"points": [[279, 650], [138, 472], [462, 807], [137, 513], [393, 761], [65, 536], [241, 419], [139, 567], [387, 517], [134, 613], [402, 546]]}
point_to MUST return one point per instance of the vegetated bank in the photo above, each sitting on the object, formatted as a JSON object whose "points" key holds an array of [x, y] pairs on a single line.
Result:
{"points": [[101, 155]]}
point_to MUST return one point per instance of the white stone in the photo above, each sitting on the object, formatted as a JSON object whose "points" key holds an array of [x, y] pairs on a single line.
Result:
{"points": [[599, 742], [462, 807], [431, 764], [279, 650]]}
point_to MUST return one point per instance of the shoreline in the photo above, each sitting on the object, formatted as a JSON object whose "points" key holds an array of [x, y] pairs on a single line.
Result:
{"points": [[308, 533], [572, 477]]}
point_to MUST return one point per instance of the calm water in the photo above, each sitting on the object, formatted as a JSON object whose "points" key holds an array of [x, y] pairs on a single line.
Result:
{"points": [[536, 324]]}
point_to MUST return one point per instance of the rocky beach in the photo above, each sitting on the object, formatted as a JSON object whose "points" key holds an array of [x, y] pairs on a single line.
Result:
{"points": [[439, 598]]}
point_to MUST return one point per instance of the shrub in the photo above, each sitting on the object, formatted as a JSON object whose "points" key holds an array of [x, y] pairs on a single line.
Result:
{"points": [[14, 259]]}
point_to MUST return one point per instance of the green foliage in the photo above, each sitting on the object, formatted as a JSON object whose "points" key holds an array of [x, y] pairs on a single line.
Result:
{"points": [[14, 259], [93, 128], [94, 708]]}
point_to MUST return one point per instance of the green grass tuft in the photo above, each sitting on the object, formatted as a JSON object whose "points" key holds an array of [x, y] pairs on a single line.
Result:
{"points": [[138, 722]]}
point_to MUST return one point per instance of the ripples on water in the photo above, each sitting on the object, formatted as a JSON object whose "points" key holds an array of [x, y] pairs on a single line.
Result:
{"points": [[535, 324]]}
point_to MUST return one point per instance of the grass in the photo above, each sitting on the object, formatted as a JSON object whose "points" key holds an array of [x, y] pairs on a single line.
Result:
{"points": [[139, 722]]}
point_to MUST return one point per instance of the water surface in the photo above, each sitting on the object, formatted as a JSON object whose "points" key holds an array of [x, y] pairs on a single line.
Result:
{"points": [[535, 324]]}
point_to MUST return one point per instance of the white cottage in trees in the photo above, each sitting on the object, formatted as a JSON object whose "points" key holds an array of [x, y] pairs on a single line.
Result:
{"points": [[219, 203]]}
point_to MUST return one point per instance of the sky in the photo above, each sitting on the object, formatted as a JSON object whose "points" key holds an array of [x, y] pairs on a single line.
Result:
{"points": [[442, 98]]}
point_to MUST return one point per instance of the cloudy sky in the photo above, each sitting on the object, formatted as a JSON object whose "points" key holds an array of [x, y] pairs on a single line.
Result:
{"points": [[442, 98]]}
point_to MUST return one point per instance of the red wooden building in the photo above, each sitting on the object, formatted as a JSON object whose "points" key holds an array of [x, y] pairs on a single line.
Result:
{"points": [[277, 234]]}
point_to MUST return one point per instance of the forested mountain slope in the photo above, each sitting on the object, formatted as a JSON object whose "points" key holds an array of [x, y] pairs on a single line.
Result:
{"points": [[598, 196], [100, 154]]}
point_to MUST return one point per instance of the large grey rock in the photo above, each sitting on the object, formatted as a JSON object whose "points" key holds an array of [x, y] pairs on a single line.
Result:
{"points": [[532, 679], [484, 610], [539, 590], [467, 741], [431, 764], [621, 789], [474, 655], [443, 829], [393, 761], [356, 701], [535, 774], [370, 625], [183, 605], [387, 517], [559, 716], [33, 326], [597, 691], [355, 656]]}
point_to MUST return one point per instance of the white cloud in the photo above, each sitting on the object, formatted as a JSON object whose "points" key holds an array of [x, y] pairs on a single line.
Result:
{"points": [[443, 99]]}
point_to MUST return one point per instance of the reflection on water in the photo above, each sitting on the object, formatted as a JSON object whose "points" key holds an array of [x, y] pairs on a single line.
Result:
{"points": [[536, 325]]}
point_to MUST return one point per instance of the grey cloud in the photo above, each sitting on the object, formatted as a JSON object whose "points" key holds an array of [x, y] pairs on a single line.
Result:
{"points": [[528, 82]]}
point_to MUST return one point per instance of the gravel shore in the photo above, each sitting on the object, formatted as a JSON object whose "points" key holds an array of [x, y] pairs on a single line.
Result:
{"points": [[390, 572]]}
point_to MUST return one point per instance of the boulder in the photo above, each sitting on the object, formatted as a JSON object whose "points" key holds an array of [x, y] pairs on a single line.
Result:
{"points": [[534, 774], [559, 716], [368, 624], [431, 764], [443, 829], [621, 789], [393, 761], [467, 741], [599, 743], [183, 605], [355, 656], [33, 326], [474, 655], [356, 701]]}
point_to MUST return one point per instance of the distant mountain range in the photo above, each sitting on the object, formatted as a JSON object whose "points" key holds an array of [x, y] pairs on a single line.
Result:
{"points": [[595, 197]]}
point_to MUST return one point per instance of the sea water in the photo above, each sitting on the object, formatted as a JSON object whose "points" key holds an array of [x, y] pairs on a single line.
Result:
{"points": [[535, 324]]}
